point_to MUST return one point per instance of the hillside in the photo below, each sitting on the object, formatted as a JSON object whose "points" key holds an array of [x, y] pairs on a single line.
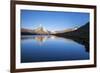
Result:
{"points": [[82, 32], [27, 31]]}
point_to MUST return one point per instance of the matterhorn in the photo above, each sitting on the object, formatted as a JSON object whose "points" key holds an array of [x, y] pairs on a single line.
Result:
{"points": [[41, 30]]}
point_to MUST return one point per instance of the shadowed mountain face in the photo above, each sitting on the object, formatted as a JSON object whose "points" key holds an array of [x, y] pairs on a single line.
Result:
{"points": [[82, 32], [81, 35]]}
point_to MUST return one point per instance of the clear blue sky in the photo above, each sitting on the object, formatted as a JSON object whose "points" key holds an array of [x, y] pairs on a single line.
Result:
{"points": [[52, 21]]}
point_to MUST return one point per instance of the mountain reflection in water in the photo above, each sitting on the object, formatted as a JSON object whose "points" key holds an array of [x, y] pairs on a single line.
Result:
{"points": [[39, 38], [41, 48]]}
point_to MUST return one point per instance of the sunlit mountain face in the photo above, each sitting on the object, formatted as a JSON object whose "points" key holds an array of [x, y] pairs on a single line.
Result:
{"points": [[41, 30]]}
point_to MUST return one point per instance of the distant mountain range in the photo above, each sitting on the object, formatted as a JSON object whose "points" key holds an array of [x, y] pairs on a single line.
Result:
{"points": [[42, 30]]}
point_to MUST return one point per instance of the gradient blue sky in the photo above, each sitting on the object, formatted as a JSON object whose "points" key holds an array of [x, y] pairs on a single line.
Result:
{"points": [[52, 21]]}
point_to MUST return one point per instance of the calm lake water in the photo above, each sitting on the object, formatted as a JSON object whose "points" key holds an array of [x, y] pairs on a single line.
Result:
{"points": [[43, 48]]}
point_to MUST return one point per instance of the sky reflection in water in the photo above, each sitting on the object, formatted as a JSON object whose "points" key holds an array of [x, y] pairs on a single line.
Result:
{"points": [[43, 48]]}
